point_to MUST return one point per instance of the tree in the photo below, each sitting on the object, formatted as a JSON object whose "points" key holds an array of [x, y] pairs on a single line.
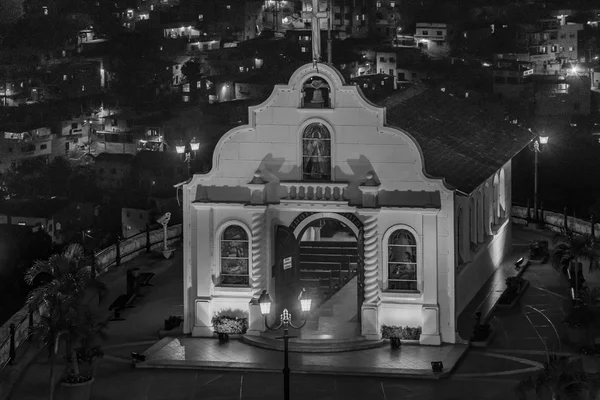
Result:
{"points": [[190, 70], [63, 300], [570, 251]]}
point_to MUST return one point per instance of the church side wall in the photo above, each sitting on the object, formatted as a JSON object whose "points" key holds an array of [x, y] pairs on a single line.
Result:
{"points": [[495, 245]]}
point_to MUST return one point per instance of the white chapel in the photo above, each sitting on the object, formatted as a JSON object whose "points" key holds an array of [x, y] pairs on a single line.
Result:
{"points": [[393, 213]]}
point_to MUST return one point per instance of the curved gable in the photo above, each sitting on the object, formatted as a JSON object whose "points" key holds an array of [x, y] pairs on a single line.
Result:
{"points": [[360, 141]]}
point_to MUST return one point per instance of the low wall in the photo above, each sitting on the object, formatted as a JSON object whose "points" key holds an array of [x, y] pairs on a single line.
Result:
{"points": [[105, 259], [554, 221]]}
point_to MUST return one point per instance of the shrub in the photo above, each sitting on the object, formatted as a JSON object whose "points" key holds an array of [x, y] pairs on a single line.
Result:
{"points": [[514, 283], [230, 321], [404, 333]]}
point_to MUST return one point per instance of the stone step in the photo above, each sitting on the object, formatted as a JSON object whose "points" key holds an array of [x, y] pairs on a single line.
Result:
{"points": [[315, 345]]}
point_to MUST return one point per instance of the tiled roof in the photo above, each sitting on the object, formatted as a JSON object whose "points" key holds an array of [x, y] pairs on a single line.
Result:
{"points": [[459, 141]]}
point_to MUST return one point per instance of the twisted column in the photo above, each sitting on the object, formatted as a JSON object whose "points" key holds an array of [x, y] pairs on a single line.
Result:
{"points": [[371, 259], [258, 235]]}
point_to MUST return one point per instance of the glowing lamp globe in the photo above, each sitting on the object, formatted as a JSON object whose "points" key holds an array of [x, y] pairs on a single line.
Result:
{"points": [[180, 148], [305, 301], [194, 144], [543, 139], [265, 303]]}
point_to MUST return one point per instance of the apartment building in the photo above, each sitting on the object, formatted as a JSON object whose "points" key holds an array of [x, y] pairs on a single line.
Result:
{"points": [[436, 39]]}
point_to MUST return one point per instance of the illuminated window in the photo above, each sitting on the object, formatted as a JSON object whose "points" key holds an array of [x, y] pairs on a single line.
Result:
{"points": [[241, 69], [186, 88], [186, 99], [303, 49], [234, 250], [571, 48], [199, 85], [228, 7], [401, 261], [64, 77], [316, 153], [393, 4], [378, 4]]}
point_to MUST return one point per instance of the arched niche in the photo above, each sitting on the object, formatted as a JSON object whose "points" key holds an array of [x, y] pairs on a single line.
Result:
{"points": [[316, 93]]}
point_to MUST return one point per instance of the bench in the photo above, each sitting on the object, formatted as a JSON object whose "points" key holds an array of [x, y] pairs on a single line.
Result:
{"points": [[120, 303], [144, 278]]}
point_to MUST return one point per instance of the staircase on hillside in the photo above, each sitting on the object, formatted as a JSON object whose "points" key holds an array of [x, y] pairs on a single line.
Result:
{"points": [[326, 266], [336, 318]]}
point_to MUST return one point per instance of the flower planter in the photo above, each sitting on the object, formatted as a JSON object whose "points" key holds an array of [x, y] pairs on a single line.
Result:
{"points": [[409, 341], [483, 343], [223, 337], [77, 391], [516, 299]]}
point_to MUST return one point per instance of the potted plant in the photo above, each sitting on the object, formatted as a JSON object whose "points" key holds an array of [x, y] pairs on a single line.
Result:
{"points": [[69, 309], [393, 333], [514, 287], [173, 322], [568, 254], [228, 322], [482, 332]]}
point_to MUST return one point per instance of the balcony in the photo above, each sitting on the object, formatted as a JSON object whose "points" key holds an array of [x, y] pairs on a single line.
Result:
{"points": [[313, 191]]}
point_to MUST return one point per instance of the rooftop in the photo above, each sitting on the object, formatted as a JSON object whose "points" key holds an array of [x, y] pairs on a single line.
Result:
{"points": [[459, 141]]}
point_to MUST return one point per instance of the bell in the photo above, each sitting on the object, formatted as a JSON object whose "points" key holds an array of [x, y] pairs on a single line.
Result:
{"points": [[317, 96]]}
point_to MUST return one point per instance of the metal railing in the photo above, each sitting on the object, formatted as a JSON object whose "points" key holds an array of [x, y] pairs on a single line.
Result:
{"points": [[125, 250], [18, 334]]}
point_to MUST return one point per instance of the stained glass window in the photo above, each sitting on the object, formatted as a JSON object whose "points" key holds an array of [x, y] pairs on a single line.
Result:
{"points": [[234, 257], [316, 153], [402, 261]]}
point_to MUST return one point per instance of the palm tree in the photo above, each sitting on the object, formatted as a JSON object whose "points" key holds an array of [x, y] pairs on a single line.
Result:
{"points": [[570, 249], [62, 296]]}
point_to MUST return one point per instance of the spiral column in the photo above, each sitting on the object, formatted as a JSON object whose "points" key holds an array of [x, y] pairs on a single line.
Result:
{"points": [[371, 258], [258, 235]]}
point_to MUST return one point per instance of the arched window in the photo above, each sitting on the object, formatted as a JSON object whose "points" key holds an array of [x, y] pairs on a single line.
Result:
{"points": [[459, 238], [473, 220], [234, 248], [402, 261], [502, 195], [316, 153]]}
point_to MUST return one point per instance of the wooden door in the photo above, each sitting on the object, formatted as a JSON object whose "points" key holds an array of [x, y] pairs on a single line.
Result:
{"points": [[360, 266], [286, 270]]}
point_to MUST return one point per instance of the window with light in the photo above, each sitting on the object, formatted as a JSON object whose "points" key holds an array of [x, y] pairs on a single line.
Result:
{"points": [[234, 247], [402, 261]]}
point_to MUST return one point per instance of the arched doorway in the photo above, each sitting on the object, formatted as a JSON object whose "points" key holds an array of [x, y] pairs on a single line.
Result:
{"points": [[322, 252]]}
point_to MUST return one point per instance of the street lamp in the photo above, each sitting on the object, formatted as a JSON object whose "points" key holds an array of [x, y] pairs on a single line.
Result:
{"points": [[538, 141], [286, 321], [188, 152]]}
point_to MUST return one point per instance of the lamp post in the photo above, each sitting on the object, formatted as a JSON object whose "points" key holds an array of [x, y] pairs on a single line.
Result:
{"points": [[538, 142], [188, 152], [286, 321]]}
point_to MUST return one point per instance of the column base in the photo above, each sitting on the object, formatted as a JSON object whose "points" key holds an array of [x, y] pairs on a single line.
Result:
{"points": [[256, 321], [370, 322], [430, 340]]}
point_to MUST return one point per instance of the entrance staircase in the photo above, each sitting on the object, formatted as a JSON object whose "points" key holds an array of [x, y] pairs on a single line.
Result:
{"points": [[333, 327], [326, 266]]}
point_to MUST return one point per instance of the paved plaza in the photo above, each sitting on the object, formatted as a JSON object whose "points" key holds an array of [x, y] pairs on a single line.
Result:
{"points": [[522, 334]]}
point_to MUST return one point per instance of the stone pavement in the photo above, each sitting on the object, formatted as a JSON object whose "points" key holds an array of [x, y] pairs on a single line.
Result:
{"points": [[196, 353], [489, 373]]}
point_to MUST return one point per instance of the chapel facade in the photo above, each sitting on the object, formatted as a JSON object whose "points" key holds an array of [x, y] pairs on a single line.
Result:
{"points": [[412, 249]]}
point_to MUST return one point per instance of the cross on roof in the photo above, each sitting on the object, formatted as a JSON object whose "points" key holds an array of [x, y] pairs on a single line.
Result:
{"points": [[316, 29]]}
